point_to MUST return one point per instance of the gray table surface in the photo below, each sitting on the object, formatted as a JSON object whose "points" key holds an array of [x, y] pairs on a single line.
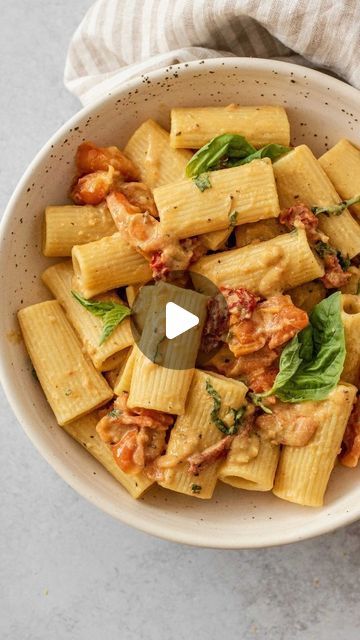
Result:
{"points": [[69, 571]]}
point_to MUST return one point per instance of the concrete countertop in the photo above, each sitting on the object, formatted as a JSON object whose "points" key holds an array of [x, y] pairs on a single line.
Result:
{"points": [[69, 571]]}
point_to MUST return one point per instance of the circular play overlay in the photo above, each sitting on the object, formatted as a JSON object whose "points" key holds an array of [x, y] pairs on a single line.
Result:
{"points": [[178, 324]]}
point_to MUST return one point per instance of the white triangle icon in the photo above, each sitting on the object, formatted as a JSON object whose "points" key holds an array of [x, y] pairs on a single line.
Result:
{"points": [[178, 320]]}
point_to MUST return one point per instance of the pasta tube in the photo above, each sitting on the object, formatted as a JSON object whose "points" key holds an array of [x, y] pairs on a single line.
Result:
{"points": [[69, 380], [195, 431], [265, 268], [301, 178], [149, 149], [236, 196], [352, 285], [83, 430], [303, 472], [107, 264], [342, 165], [112, 375], [192, 127], [258, 231], [68, 225], [168, 366], [350, 316], [123, 381], [106, 356], [256, 474], [131, 292], [216, 239]]}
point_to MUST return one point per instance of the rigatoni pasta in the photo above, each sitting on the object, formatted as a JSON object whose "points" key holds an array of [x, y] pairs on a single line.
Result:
{"points": [[258, 231], [70, 382], [304, 472], [341, 164], [191, 128], [256, 474], [237, 196], [68, 225], [216, 239], [166, 365], [195, 431], [59, 279], [83, 430], [149, 148], [107, 264], [351, 320], [123, 381], [267, 267]]}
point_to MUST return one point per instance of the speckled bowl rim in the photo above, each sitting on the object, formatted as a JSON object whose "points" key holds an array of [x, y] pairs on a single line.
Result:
{"points": [[79, 484]]}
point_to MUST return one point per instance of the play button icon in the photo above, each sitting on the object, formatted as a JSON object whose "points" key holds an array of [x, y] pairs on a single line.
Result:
{"points": [[178, 320], [171, 323]]}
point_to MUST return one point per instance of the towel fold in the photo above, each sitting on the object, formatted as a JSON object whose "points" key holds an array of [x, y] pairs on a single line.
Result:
{"points": [[120, 39]]}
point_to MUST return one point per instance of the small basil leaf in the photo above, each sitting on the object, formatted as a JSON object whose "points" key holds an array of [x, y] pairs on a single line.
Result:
{"points": [[112, 319], [236, 414], [95, 307], [202, 181], [112, 313], [256, 399], [336, 209], [209, 156], [233, 218], [323, 249], [272, 151]]}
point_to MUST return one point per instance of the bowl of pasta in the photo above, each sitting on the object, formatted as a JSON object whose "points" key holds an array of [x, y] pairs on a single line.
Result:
{"points": [[227, 190]]}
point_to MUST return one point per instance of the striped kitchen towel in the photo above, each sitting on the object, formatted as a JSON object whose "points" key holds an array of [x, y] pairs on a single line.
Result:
{"points": [[120, 39]]}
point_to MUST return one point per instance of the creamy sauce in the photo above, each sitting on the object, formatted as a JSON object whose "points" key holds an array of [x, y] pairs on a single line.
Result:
{"points": [[182, 444], [244, 448]]}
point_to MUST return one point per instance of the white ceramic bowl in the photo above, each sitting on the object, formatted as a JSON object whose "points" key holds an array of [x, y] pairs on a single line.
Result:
{"points": [[321, 110]]}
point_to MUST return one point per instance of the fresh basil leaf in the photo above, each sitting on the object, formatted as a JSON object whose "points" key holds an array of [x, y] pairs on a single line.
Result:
{"points": [[229, 150], [311, 371], [289, 363], [114, 413], [202, 181], [112, 313], [336, 209], [272, 151], [97, 308], [112, 319], [323, 248], [256, 399], [196, 488], [239, 147], [306, 351], [233, 218], [344, 261], [299, 349], [209, 156], [236, 414]]}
